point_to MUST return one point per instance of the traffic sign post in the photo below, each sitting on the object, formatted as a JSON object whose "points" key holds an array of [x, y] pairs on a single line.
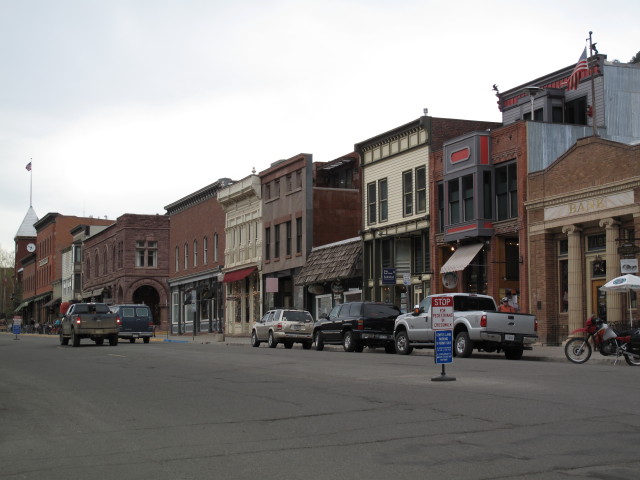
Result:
{"points": [[442, 324]]}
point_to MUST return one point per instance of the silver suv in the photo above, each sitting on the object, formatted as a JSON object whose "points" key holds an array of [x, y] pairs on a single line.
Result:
{"points": [[283, 325]]}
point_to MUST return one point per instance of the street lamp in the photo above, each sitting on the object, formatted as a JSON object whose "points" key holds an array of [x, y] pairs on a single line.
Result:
{"points": [[532, 91]]}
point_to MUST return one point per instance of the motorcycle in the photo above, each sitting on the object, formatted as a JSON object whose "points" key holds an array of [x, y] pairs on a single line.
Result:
{"points": [[605, 340]]}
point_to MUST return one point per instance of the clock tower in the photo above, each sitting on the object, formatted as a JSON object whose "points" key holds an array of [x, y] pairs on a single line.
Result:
{"points": [[25, 239]]}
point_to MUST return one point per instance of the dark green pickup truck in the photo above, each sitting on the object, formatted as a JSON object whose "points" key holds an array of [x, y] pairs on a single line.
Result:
{"points": [[89, 320]]}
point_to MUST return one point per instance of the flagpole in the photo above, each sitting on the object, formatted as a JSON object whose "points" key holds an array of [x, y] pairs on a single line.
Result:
{"points": [[593, 89], [31, 183]]}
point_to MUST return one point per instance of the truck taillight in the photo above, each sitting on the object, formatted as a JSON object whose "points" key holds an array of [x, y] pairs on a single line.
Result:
{"points": [[360, 324], [279, 326], [78, 320], [535, 325], [483, 321], [118, 321]]}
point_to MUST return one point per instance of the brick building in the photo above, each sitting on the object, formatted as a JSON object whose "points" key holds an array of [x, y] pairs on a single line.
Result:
{"points": [[196, 260], [128, 263], [42, 275], [304, 204]]}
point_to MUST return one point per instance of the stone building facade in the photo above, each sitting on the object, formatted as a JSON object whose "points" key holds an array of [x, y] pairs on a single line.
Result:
{"points": [[128, 262]]}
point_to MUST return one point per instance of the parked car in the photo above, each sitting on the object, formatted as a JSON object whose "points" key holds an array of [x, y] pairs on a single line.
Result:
{"points": [[477, 324], [356, 325], [135, 321], [283, 325]]}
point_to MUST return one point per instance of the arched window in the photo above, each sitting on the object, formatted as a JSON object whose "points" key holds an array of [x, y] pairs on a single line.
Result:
{"points": [[177, 258], [186, 256], [215, 247], [205, 250], [195, 253], [96, 267]]}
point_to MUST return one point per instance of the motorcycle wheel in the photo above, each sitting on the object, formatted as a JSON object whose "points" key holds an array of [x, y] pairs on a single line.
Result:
{"points": [[578, 350], [633, 360]]}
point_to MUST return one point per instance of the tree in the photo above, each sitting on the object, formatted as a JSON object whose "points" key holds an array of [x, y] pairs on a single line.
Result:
{"points": [[7, 282], [635, 58]]}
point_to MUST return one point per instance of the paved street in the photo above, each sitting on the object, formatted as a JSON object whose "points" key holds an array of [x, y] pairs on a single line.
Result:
{"points": [[206, 409]]}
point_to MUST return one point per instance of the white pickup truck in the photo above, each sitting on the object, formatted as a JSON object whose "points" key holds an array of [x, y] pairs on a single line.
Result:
{"points": [[477, 324]]}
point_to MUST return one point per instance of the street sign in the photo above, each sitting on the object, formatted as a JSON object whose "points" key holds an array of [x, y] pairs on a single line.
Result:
{"points": [[388, 276], [442, 313], [444, 346]]}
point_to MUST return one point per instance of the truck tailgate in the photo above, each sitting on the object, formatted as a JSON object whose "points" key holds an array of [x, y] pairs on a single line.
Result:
{"points": [[518, 323]]}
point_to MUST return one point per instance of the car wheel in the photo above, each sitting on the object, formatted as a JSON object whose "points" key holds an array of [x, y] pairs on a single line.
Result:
{"points": [[99, 341], [254, 339], [146, 339], [75, 339], [348, 342], [113, 340], [288, 345], [306, 345], [271, 341], [317, 339], [403, 346], [132, 340], [463, 346], [63, 340]]}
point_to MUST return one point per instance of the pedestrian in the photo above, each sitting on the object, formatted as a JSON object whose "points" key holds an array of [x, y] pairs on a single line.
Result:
{"points": [[505, 307]]}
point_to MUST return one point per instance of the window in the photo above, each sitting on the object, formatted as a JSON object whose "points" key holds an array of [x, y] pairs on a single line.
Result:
{"points": [[467, 197], [454, 201], [512, 259], [407, 192], [146, 254], [177, 258], [440, 207], [288, 184], [215, 247], [418, 255], [298, 235], [205, 250], [383, 200], [371, 203], [386, 253], [506, 192], [276, 253], [288, 245], [186, 256], [267, 243], [276, 189], [486, 195], [195, 253], [575, 111], [421, 189], [267, 191]]}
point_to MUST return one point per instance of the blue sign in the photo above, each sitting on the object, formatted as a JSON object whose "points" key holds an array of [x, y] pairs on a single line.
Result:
{"points": [[388, 276], [16, 329], [444, 346]]}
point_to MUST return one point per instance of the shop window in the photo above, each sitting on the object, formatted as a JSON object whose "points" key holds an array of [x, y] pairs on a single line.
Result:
{"points": [[563, 273], [506, 192], [512, 259]]}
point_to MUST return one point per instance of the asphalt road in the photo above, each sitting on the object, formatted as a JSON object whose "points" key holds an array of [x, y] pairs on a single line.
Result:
{"points": [[194, 411]]}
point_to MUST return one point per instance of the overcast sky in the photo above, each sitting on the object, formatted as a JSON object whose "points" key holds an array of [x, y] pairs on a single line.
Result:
{"points": [[125, 106]]}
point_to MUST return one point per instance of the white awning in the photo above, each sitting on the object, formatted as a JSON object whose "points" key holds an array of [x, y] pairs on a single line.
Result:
{"points": [[461, 258]]}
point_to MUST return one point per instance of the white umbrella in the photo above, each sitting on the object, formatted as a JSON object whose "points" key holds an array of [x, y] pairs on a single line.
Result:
{"points": [[624, 283]]}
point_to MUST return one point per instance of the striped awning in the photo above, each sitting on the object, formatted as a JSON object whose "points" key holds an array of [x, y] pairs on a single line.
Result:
{"points": [[461, 258]]}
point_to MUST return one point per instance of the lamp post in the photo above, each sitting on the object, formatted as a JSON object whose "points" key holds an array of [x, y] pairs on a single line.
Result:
{"points": [[532, 91]]}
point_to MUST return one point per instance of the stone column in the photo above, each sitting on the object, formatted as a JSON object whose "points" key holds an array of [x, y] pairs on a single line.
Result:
{"points": [[614, 300], [576, 278]]}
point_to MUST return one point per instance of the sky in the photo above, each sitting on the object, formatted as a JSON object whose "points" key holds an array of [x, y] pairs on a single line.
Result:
{"points": [[125, 106]]}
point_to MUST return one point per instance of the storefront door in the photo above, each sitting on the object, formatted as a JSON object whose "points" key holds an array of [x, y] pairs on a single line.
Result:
{"points": [[598, 299]]}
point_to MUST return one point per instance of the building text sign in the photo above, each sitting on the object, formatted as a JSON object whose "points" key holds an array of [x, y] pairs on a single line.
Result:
{"points": [[589, 205]]}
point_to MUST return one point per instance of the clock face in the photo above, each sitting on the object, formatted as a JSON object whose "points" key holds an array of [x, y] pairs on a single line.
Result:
{"points": [[31, 247]]}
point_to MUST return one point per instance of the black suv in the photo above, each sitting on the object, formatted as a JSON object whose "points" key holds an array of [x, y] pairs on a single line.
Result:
{"points": [[135, 322], [356, 325]]}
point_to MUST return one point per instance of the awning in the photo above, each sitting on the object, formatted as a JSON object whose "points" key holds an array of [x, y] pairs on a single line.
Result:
{"points": [[21, 306], [238, 274], [339, 260], [461, 257], [51, 303]]}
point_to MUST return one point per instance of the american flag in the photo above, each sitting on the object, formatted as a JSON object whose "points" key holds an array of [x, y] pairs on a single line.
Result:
{"points": [[580, 71]]}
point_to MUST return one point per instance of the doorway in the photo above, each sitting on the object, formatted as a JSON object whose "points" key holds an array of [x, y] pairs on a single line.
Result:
{"points": [[598, 299]]}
